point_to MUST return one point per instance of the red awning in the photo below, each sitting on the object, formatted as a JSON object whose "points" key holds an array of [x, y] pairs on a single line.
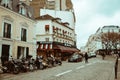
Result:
{"points": [[45, 47], [74, 49], [65, 49]]}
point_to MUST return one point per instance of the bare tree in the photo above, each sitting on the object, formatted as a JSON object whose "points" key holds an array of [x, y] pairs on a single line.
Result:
{"points": [[110, 40]]}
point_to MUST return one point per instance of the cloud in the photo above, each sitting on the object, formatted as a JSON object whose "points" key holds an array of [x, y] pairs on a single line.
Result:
{"points": [[92, 14]]}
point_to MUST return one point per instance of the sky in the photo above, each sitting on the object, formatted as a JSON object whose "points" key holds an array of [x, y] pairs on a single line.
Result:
{"points": [[92, 14]]}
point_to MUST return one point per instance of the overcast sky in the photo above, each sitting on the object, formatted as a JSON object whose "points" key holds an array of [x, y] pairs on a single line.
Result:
{"points": [[92, 14]]}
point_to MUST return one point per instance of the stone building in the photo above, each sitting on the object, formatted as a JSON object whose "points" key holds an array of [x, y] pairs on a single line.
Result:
{"points": [[17, 36], [61, 5]]}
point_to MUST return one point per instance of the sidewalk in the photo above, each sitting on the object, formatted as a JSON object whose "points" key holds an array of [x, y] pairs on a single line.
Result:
{"points": [[112, 71]]}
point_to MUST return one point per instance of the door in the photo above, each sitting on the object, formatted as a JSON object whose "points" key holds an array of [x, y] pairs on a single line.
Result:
{"points": [[27, 52], [20, 52], [5, 53]]}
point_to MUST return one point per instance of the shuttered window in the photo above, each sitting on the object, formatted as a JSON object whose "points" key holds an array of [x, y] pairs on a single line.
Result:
{"points": [[23, 34], [7, 30], [47, 28]]}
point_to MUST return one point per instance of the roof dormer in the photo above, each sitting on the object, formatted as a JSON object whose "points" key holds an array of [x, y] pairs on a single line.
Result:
{"points": [[7, 3], [22, 9]]}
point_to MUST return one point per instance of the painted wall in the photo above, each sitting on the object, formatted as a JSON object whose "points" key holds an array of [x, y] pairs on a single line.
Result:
{"points": [[66, 16], [41, 34]]}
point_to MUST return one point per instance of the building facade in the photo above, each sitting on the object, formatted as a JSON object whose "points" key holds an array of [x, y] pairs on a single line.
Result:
{"points": [[95, 43], [54, 37], [17, 36], [61, 5], [57, 9]]}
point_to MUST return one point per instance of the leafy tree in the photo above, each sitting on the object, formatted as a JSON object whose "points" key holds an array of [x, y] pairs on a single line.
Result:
{"points": [[110, 40]]}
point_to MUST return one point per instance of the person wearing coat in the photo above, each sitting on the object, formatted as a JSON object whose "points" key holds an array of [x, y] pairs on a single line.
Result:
{"points": [[86, 57]]}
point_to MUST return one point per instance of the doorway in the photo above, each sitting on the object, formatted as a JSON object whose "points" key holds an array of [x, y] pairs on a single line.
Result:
{"points": [[5, 53], [20, 52]]}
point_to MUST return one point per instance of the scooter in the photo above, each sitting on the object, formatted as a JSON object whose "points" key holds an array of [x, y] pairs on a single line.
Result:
{"points": [[11, 66], [58, 61], [3, 69]]}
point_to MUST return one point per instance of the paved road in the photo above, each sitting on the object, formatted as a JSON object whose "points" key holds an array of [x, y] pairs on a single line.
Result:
{"points": [[96, 69]]}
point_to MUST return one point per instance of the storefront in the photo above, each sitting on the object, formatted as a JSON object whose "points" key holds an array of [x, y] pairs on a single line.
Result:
{"points": [[65, 51], [46, 49]]}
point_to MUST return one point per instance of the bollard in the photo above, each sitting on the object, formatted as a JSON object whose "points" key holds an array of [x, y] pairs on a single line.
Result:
{"points": [[116, 67]]}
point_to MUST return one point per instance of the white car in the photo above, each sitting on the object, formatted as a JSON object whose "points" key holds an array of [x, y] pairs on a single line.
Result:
{"points": [[91, 55]]}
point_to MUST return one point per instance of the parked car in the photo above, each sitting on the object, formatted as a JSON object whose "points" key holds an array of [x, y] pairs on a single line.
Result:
{"points": [[75, 58], [90, 55]]}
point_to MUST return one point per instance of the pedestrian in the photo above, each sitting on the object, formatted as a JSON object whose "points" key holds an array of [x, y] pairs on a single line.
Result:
{"points": [[116, 66], [103, 56], [86, 57]]}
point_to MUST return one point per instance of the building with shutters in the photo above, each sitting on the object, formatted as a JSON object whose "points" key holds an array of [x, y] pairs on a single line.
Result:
{"points": [[60, 10], [54, 37], [17, 27]]}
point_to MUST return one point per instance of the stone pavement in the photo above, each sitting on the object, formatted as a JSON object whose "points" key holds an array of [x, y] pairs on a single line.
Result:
{"points": [[118, 70], [112, 71]]}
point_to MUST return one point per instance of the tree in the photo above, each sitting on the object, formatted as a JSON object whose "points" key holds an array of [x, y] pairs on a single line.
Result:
{"points": [[110, 41]]}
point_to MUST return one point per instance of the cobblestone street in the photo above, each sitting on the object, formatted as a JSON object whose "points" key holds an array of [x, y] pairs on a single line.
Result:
{"points": [[96, 69]]}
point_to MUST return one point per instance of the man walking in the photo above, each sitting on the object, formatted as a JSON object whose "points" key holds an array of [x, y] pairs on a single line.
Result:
{"points": [[86, 57]]}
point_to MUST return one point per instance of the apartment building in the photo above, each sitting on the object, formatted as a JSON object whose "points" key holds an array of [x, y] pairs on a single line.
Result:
{"points": [[17, 36], [95, 43], [54, 37]]}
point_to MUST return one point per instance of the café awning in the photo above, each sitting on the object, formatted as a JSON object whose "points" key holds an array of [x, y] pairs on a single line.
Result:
{"points": [[65, 49]]}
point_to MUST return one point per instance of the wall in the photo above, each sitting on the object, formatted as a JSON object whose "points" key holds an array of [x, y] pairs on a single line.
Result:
{"points": [[66, 16], [17, 24]]}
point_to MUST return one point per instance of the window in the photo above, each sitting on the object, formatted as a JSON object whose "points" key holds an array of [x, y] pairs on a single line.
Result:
{"points": [[7, 3], [29, 13], [7, 30], [22, 10], [47, 39], [47, 28], [23, 34], [54, 29]]}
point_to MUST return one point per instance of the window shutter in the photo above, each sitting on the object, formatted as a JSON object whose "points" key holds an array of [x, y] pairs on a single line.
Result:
{"points": [[9, 31], [46, 27]]}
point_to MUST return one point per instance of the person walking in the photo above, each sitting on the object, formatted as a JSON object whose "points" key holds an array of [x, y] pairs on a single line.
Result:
{"points": [[86, 57], [116, 66], [103, 56]]}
